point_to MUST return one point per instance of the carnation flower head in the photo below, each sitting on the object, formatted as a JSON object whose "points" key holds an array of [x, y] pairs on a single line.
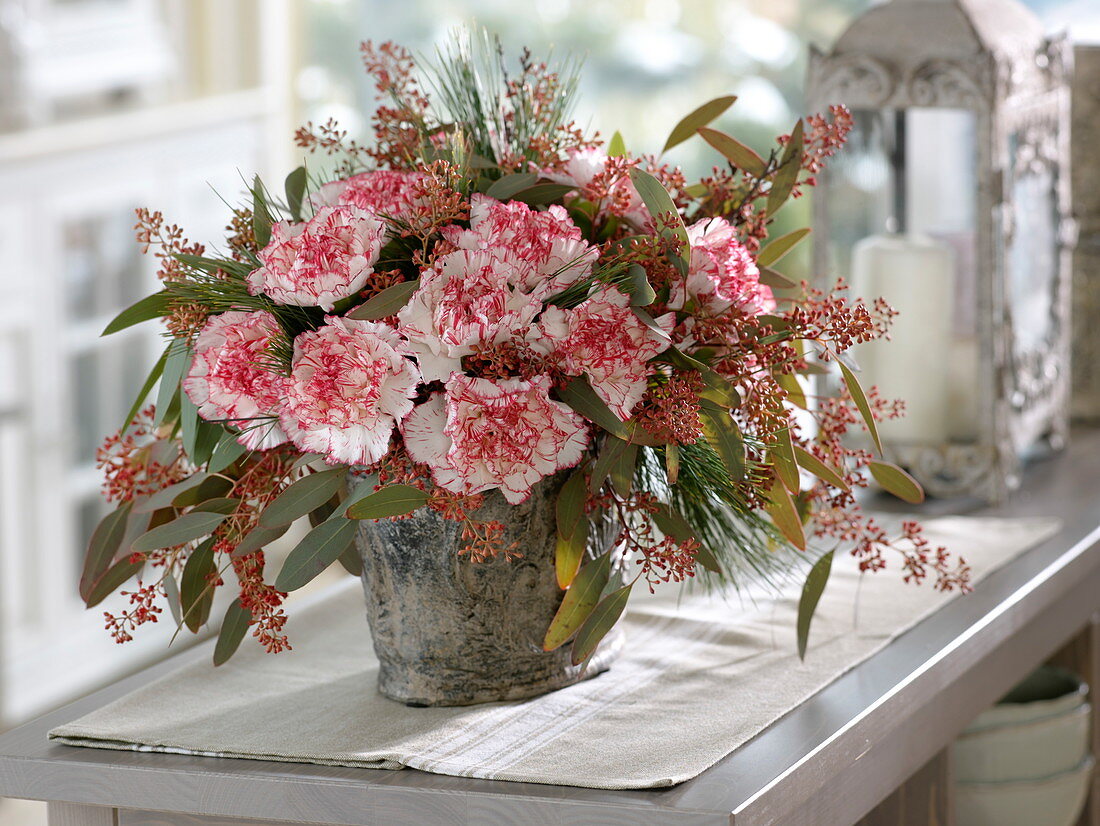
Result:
{"points": [[385, 192], [602, 338], [605, 181], [722, 273], [227, 379], [547, 247], [466, 299], [349, 384], [483, 433], [317, 263]]}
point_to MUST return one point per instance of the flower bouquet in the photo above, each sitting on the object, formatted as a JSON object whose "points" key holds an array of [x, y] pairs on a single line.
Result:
{"points": [[509, 373]]}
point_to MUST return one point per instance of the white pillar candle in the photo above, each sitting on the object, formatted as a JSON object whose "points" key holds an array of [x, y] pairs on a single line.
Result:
{"points": [[916, 276]]}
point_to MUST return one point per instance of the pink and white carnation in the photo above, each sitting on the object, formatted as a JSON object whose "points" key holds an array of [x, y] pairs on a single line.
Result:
{"points": [[389, 193], [588, 170], [350, 383], [483, 433], [722, 273], [227, 381], [547, 247], [465, 299], [603, 339], [317, 263]]}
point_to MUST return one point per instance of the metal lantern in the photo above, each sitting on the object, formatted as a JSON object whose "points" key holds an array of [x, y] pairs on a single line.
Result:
{"points": [[959, 159]]}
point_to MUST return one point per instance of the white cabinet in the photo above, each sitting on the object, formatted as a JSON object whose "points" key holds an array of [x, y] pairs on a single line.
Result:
{"points": [[68, 263]]}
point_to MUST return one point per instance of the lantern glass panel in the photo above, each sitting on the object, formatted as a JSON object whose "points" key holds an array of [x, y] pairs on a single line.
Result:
{"points": [[913, 170], [1032, 253]]}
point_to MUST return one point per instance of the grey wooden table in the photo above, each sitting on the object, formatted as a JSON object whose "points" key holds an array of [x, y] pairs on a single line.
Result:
{"points": [[871, 748]]}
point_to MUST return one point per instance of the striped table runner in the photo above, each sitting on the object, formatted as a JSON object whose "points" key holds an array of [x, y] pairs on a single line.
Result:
{"points": [[699, 677]]}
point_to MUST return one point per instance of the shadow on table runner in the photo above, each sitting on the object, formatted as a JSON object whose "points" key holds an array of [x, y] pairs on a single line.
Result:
{"points": [[699, 677]]}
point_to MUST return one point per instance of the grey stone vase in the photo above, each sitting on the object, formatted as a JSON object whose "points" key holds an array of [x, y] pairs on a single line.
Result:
{"points": [[451, 632]]}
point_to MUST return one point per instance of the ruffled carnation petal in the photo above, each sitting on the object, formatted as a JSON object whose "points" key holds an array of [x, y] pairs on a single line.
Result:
{"points": [[465, 300], [482, 434], [590, 170], [226, 381], [602, 338], [349, 384], [385, 192], [322, 261], [547, 249], [722, 273]]}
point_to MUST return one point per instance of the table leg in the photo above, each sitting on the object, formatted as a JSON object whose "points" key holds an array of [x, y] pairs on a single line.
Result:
{"points": [[78, 814]]}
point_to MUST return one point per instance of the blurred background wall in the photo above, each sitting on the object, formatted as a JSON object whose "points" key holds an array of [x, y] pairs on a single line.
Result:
{"points": [[106, 105]]}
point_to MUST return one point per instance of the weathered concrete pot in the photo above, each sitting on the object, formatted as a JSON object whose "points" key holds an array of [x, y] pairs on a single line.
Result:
{"points": [[450, 632]]}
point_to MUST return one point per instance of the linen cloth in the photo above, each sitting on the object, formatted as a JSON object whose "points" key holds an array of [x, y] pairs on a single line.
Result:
{"points": [[698, 677]]}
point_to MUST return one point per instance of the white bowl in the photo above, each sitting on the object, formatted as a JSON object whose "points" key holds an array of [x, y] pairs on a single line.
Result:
{"points": [[1051, 801], [1025, 751], [1047, 692]]}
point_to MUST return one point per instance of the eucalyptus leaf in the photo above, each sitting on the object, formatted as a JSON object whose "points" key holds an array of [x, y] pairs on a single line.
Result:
{"points": [[233, 630], [896, 481], [777, 248], [790, 164], [301, 496], [146, 388], [209, 488], [258, 538], [672, 462], [207, 436], [189, 426], [860, 399], [694, 120], [610, 456], [572, 522], [350, 560], [180, 530], [164, 497], [146, 309], [616, 147], [775, 280], [176, 365], [392, 500], [811, 595], [722, 433], [784, 514], [580, 396], [172, 597], [227, 451], [261, 218], [661, 206], [671, 524], [104, 544], [295, 189], [819, 469], [735, 152], [196, 593], [318, 549], [540, 194], [504, 187], [111, 581], [579, 601], [782, 455], [599, 623], [221, 504], [795, 394], [640, 290], [385, 303]]}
